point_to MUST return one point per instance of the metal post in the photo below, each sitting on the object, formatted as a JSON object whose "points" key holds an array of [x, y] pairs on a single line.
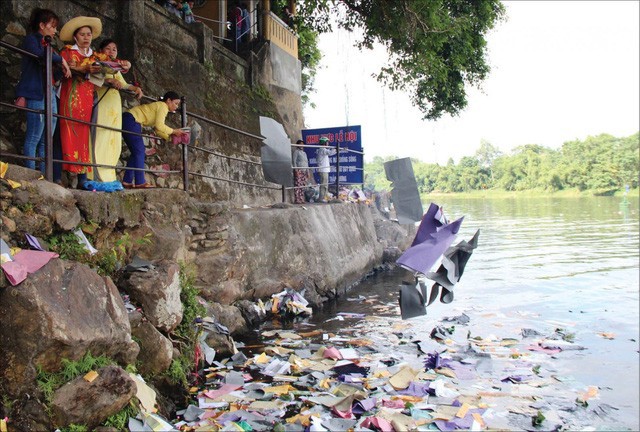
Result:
{"points": [[337, 169], [48, 112], [266, 10], [185, 156], [235, 33], [283, 194]]}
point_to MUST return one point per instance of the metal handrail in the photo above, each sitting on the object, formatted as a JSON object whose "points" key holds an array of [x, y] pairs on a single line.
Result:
{"points": [[17, 49], [223, 155], [226, 23], [49, 160], [49, 115], [224, 126]]}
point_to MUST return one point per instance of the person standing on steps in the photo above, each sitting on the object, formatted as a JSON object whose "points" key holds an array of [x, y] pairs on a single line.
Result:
{"points": [[30, 90], [322, 158], [300, 172], [76, 94], [107, 143]]}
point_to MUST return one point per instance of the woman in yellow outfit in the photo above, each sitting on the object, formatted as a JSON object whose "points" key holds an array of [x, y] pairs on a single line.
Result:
{"points": [[151, 114], [107, 144]]}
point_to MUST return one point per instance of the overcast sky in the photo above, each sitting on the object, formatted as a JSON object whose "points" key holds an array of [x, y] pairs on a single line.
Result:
{"points": [[560, 71]]}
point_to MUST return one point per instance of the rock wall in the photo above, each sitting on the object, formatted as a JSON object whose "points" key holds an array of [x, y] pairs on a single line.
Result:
{"points": [[239, 256], [249, 254]]}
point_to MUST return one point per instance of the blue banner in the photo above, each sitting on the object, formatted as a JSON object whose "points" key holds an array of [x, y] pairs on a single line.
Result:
{"points": [[351, 164]]}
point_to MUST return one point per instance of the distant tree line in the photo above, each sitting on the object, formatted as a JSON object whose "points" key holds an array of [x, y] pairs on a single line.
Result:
{"points": [[602, 164]]}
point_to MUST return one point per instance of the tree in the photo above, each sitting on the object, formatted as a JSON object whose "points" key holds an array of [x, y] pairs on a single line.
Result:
{"points": [[310, 56], [435, 47], [426, 175], [374, 175], [628, 160]]}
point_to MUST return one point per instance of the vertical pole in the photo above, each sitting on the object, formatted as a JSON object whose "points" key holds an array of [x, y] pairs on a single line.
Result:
{"points": [[185, 147], [48, 112], [235, 32], [283, 194], [266, 11], [337, 169]]}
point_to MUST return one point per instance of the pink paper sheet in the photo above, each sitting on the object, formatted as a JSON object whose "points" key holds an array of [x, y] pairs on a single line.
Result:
{"points": [[26, 261]]}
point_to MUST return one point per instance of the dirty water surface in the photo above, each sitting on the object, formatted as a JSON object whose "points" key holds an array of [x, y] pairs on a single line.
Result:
{"points": [[542, 335]]}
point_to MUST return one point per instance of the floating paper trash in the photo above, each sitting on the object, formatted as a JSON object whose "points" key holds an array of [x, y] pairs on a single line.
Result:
{"points": [[370, 375], [287, 303]]}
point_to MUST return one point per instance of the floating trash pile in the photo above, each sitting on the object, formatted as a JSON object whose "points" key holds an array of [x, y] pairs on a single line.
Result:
{"points": [[378, 374]]}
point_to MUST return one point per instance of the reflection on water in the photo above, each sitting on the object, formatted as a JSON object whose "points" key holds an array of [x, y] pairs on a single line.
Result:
{"points": [[545, 264], [572, 261]]}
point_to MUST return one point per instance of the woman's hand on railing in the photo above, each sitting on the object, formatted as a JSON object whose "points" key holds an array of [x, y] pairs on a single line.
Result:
{"points": [[65, 69], [137, 90], [114, 83]]}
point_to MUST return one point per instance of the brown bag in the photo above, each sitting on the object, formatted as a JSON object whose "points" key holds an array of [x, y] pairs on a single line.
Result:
{"points": [[20, 102]]}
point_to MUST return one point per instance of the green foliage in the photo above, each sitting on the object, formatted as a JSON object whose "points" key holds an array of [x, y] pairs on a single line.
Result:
{"points": [[435, 47], [109, 261], [7, 403], [26, 207], [191, 306], [49, 382], [181, 367], [68, 247], [105, 262], [261, 92], [179, 371], [131, 368], [75, 428], [537, 419], [601, 165], [70, 370], [374, 175], [310, 57], [120, 420]]}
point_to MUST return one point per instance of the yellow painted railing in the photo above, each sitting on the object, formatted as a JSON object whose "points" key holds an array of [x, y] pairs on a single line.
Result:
{"points": [[280, 34]]}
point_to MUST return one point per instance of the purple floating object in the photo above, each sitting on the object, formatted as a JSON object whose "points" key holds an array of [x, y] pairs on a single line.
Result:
{"points": [[417, 389], [364, 405], [431, 221], [433, 361], [516, 379], [423, 255], [462, 371]]}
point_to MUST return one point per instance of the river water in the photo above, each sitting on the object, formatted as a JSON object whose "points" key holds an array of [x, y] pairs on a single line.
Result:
{"points": [[543, 264]]}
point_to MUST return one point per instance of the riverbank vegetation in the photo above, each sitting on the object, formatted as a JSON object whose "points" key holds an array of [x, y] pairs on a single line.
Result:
{"points": [[600, 165]]}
